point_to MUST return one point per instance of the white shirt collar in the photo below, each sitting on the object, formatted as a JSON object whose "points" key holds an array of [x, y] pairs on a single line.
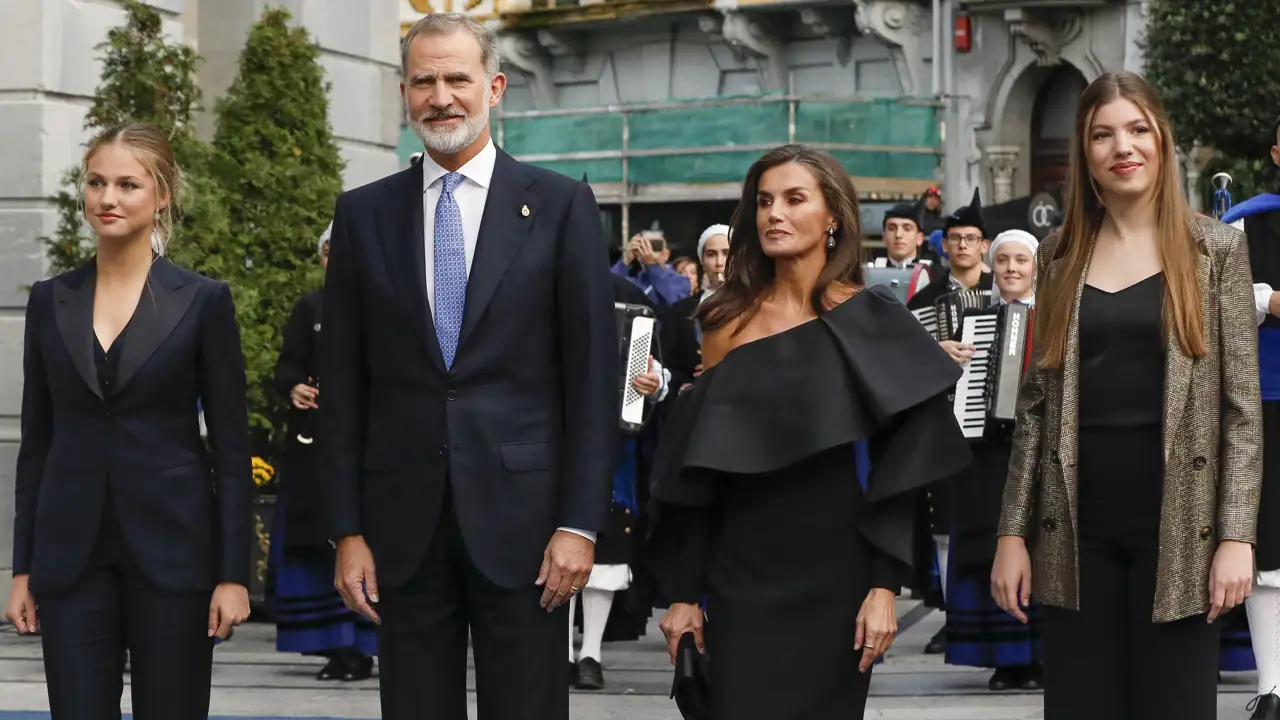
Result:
{"points": [[478, 169]]}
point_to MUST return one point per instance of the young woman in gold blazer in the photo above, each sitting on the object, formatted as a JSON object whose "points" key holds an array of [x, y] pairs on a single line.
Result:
{"points": [[1137, 457]]}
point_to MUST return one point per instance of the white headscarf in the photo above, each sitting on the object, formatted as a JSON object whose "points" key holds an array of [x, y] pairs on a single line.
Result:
{"points": [[1018, 236], [708, 234], [324, 238]]}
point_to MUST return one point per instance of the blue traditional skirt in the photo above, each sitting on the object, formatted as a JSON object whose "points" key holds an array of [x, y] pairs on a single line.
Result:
{"points": [[1235, 647], [980, 634], [311, 618]]}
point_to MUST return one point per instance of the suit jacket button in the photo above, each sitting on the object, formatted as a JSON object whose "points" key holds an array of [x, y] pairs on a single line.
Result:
{"points": [[452, 395], [1049, 524], [1206, 532], [1199, 463]]}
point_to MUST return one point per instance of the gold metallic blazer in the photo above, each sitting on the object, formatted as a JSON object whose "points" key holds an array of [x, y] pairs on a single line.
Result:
{"points": [[1212, 440]]}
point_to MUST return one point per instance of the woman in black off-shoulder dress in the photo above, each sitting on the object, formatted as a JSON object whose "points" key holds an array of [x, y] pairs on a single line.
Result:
{"points": [[759, 506]]}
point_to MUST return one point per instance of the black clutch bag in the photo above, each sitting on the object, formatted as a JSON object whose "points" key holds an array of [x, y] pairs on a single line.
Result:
{"points": [[691, 688]]}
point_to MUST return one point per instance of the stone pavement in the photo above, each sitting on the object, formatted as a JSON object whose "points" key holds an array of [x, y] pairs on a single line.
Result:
{"points": [[252, 681]]}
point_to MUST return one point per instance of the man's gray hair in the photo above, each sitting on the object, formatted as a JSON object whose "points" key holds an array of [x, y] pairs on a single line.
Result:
{"points": [[445, 24]]}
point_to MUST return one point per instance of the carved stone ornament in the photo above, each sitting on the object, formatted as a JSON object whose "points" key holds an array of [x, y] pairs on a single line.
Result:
{"points": [[527, 55], [749, 39], [900, 25], [1003, 161], [825, 24], [562, 45], [1045, 35]]}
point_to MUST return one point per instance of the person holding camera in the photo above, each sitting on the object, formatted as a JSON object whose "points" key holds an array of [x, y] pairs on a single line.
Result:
{"points": [[644, 263]]}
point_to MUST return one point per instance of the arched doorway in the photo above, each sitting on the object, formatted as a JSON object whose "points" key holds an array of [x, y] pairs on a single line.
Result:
{"points": [[1052, 123]]}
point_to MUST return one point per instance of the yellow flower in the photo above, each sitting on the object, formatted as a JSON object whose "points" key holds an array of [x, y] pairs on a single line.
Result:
{"points": [[263, 472]]}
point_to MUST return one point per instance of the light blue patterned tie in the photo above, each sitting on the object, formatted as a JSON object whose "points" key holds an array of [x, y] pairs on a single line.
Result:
{"points": [[450, 269]]}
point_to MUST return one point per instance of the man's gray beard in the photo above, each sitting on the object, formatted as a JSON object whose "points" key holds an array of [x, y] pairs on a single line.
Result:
{"points": [[456, 140]]}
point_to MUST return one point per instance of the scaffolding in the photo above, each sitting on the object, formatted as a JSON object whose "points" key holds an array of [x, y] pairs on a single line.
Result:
{"points": [[698, 150]]}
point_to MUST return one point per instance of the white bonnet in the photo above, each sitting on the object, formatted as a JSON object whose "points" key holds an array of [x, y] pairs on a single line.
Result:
{"points": [[324, 238], [1020, 236], [708, 234]]}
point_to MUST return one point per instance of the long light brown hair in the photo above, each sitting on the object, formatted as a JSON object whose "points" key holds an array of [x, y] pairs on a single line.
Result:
{"points": [[749, 273], [1176, 247]]}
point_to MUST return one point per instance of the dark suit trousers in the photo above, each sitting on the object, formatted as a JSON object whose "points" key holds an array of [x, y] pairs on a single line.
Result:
{"points": [[85, 631], [519, 648]]}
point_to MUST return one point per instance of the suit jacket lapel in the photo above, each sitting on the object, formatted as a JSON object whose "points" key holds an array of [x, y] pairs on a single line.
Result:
{"points": [[73, 313], [405, 248], [164, 302], [1069, 417], [1177, 365], [502, 229]]}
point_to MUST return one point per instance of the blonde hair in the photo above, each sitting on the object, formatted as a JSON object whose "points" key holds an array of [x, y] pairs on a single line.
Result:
{"points": [[151, 146]]}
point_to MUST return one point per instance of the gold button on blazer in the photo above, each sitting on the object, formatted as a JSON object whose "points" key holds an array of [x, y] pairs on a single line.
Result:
{"points": [[1212, 440]]}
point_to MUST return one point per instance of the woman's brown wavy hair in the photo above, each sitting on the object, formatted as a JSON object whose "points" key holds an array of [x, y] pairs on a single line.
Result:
{"points": [[749, 272], [1176, 246]]}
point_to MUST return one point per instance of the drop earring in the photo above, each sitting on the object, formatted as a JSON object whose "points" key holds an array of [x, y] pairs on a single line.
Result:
{"points": [[831, 238]]}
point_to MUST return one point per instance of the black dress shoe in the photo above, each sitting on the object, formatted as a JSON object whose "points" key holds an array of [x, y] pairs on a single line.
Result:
{"points": [[332, 670], [937, 644], [1004, 679], [590, 675], [1032, 678], [356, 667], [1264, 707], [573, 674]]}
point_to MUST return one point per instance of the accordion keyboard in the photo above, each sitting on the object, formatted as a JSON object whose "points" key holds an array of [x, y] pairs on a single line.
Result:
{"points": [[970, 405]]}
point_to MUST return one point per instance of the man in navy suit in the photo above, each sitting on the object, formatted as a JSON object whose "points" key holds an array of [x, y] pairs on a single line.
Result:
{"points": [[471, 395]]}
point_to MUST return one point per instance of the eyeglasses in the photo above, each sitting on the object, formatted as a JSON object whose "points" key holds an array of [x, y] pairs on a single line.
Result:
{"points": [[963, 240]]}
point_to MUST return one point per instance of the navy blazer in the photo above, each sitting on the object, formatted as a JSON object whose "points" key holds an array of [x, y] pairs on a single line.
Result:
{"points": [[183, 511], [521, 427]]}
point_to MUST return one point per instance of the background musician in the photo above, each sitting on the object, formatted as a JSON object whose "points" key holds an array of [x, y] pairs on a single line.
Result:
{"points": [[617, 596], [965, 243], [679, 334], [903, 239], [311, 618], [1261, 223], [1137, 456], [979, 633]]}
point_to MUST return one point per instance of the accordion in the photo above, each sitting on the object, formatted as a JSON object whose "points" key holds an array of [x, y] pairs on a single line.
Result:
{"points": [[987, 392], [942, 319], [637, 328]]}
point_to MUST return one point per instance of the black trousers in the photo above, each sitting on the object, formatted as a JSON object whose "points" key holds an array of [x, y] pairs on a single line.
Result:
{"points": [[521, 650], [1108, 661], [86, 630]]}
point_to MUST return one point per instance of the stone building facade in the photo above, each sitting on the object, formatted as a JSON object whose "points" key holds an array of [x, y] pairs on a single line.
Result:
{"points": [[50, 72]]}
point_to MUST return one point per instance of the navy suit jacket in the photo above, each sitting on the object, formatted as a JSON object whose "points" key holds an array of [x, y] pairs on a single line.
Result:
{"points": [[521, 427], [183, 511]]}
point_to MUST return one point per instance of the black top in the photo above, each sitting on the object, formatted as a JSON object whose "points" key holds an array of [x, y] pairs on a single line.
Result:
{"points": [[1263, 233], [109, 548], [1122, 348], [832, 382]]}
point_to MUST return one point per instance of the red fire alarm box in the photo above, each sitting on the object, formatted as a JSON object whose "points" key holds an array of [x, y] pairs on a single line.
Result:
{"points": [[964, 33]]}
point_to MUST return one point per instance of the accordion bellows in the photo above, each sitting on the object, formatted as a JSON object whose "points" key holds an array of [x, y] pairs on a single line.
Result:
{"points": [[865, 370]]}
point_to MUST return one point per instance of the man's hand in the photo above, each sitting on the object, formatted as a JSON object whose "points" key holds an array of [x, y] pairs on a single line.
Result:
{"points": [[645, 252], [566, 565], [648, 384], [1273, 305], [355, 577]]}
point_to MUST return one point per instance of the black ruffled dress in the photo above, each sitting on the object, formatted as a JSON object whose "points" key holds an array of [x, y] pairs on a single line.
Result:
{"points": [[758, 508]]}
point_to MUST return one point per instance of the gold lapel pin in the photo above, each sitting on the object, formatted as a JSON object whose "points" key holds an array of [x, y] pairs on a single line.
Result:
{"points": [[524, 210]]}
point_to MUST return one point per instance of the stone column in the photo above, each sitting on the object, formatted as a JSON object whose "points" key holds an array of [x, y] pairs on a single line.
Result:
{"points": [[359, 44], [1003, 161], [1196, 161], [50, 71]]}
